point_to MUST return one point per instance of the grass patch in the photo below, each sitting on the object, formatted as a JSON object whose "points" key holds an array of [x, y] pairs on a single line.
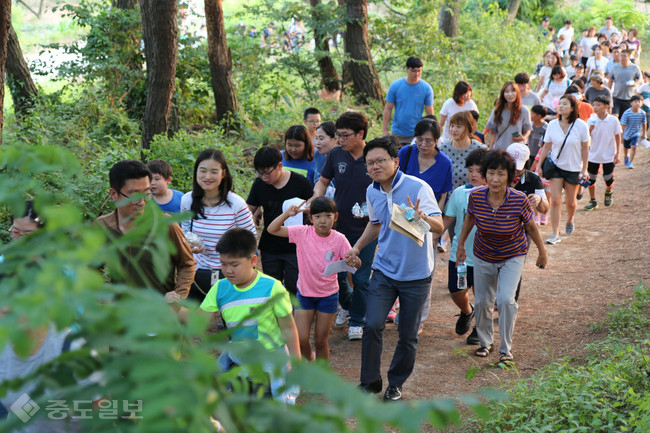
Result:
{"points": [[609, 391]]}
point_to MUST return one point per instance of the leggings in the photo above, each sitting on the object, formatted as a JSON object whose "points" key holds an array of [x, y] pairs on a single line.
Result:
{"points": [[608, 172]]}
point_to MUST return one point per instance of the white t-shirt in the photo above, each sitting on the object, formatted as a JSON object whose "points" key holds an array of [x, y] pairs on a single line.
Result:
{"points": [[644, 90], [218, 219], [597, 65], [586, 44], [571, 157], [568, 38], [603, 146], [556, 90], [449, 108]]}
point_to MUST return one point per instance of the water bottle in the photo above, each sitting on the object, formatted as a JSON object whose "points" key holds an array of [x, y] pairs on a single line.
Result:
{"points": [[461, 271], [409, 212]]}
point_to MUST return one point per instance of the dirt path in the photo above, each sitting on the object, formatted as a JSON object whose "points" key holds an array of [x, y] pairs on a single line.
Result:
{"points": [[599, 264]]}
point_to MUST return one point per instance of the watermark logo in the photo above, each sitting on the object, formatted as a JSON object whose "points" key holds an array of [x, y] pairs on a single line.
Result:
{"points": [[24, 408]]}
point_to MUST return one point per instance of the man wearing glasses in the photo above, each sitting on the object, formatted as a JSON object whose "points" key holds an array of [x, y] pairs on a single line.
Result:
{"points": [[345, 165], [402, 268], [130, 188], [274, 190], [409, 96]]}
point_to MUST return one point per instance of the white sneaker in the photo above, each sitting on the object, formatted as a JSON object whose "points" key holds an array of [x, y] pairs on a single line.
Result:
{"points": [[355, 333], [342, 318], [553, 240]]}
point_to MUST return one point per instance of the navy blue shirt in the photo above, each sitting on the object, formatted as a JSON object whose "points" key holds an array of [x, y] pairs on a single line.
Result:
{"points": [[352, 180]]}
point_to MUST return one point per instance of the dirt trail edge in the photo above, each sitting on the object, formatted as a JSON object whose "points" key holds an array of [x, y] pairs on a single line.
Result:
{"points": [[601, 263]]}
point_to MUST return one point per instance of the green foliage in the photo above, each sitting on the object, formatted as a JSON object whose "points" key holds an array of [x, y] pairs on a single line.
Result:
{"points": [[109, 56], [593, 12], [135, 347], [485, 55], [609, 392], [181, 152]]}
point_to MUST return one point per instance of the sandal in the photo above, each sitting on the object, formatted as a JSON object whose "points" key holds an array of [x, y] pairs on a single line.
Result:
{"points": [[504, 358], [483, 352]]}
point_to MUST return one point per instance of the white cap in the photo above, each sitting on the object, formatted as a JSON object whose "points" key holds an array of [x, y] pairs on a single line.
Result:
{"points": [[520, 152]]}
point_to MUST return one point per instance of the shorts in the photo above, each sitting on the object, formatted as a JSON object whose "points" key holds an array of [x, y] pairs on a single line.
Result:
{"points": [[570, 177], [327, 304], [452, 284], [620, 105], [631, 142]]}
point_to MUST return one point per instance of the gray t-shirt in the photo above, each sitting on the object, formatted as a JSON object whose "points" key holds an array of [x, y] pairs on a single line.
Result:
{"points": [[621, 75], [531, 99], [457, 156], [12, 366], [504, 129], [535, 138], [592, 94]]}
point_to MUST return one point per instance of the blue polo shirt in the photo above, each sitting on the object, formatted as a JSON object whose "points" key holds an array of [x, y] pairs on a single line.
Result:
{"points": [[400, 257]]}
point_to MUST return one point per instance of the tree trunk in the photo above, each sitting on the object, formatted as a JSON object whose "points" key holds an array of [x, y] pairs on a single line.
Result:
{"points": [[160, 34], [5, 24], [365, 82], [22, 87], [513, 8], [223, 85], [448, 19], [329, 77]]}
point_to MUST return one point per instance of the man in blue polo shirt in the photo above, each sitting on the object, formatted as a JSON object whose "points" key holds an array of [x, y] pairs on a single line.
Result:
{"points": [[409, 96], [402, 268], [345, 166]]}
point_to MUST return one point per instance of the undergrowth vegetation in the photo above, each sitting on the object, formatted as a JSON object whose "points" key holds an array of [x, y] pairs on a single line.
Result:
{"points": [[607, 391]]}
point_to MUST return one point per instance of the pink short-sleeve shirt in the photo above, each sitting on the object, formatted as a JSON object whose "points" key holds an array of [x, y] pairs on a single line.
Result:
{"points": [[314, 254]]}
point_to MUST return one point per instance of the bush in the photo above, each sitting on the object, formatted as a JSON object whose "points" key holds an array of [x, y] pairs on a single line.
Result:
{"points": [[609, 392]]}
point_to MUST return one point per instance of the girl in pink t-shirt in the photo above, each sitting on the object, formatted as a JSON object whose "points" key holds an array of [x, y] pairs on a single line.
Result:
{"points": [[317, 246]]}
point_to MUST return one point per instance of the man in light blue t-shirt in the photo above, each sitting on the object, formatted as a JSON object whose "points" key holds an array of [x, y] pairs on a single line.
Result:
{"points": [[409, 96]]}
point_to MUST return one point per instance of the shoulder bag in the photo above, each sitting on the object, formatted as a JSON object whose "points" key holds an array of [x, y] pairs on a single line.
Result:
{"points": [[549, 167]]}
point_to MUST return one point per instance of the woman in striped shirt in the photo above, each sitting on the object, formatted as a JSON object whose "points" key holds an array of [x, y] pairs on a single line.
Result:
{"points": [[502, 216], [215, 209]]}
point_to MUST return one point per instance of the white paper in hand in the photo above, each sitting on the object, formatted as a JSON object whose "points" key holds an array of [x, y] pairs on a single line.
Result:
{"points": [[336, 267], [645, 143]]}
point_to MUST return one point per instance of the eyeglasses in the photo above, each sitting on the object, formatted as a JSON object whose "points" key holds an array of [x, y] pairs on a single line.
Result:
{"points": [[343, 136], [428, 141], [313, 122], [266, 173], [135, 200], [17, 232], [381, 161]]}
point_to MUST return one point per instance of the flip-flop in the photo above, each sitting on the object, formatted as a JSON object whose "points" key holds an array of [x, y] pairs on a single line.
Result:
{"points": [[483, 352]]}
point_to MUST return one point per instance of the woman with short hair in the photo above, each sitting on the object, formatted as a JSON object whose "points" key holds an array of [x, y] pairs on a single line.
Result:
{"points": [[502, 216]]}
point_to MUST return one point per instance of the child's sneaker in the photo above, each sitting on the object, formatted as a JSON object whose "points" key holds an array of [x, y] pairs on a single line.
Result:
{"points": [[626, 160], [608, 198], [543, 219], [593, 204], [342, 318], [630, 165], [536, 219]]}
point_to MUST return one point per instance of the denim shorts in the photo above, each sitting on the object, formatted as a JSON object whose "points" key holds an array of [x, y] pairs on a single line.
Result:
{"points": [[631, 142], [452, 283], [328, 304]]}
